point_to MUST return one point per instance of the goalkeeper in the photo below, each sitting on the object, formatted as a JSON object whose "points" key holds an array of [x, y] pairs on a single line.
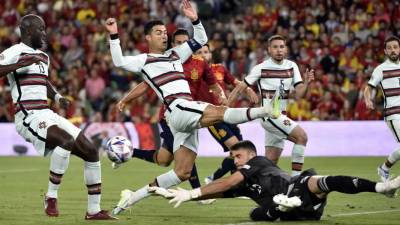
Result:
{"points": [[278, 195]]}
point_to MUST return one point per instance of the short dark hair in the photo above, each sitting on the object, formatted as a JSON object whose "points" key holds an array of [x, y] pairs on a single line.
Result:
{"points": [[391, 38], [276, 37], [179, 31], [244, 144], [150, 25]]}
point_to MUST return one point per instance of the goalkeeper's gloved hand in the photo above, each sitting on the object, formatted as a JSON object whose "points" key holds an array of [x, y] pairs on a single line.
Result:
{"points": [[286, 203]]}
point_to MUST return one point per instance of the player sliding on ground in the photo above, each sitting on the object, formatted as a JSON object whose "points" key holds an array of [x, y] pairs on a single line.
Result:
{"points": [[162, 70], [278, 195]]}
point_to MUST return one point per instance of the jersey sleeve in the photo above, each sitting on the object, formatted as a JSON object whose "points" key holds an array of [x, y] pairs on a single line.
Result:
{"points": [[130, 63], [9, 56], [296, 75], [376, 77], [251, 168], [199, 39], [254, 75], [229, 78], [208, 77]]}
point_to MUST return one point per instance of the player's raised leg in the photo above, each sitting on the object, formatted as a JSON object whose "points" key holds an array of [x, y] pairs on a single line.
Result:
{"points": [[215, 114]]}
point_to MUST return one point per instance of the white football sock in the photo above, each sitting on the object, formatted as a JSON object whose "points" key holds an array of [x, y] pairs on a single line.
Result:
{"points": [[241, 115], [168, 179], [297, 157], [165, 180], [59, 161], [394, 156], [92, 172]]}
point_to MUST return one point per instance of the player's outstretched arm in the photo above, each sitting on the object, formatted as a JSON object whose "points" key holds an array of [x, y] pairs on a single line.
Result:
{"points": [[23, 61], [253, 97], [188, 10], [216, 88], [214, 189], [236, 92], [130, 63], [133, 94], [199, 34]]}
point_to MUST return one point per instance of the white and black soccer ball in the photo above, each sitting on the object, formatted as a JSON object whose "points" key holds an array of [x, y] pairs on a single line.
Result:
{"points": [[119, 149]]}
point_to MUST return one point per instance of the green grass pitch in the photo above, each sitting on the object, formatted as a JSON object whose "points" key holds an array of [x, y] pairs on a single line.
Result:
{"points": [[23, 181]]}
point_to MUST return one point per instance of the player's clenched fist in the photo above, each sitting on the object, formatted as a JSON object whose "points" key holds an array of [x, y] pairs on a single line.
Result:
{"points": [[111, 25]]}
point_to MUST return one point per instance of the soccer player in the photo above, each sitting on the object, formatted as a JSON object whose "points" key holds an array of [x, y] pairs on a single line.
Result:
{"points": [[225, 134], [162, 70], [272, 75], [26, 67], [278, 195], [196, 71], [387, 75]]}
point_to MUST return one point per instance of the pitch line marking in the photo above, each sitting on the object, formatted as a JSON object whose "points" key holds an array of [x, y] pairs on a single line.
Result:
{"points": [[365, 213]]}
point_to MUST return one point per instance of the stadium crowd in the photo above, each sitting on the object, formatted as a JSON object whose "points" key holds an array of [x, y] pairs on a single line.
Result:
{"points": [[340, 39]]}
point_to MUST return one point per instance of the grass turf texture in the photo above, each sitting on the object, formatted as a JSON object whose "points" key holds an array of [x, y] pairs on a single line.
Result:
{"points": [[23, 181]]}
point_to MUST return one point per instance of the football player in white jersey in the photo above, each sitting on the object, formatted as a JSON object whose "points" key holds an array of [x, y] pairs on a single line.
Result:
{"points": [[387, 75], [26, 67], [278, 74], [162, 70]]}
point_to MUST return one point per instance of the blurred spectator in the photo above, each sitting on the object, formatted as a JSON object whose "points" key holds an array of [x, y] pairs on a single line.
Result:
{"points": [[342, 40]]}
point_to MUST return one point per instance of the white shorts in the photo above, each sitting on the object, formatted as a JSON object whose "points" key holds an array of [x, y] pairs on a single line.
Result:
{"points": [[394, 126], [33, 127], [184, 121], [277, 130]]}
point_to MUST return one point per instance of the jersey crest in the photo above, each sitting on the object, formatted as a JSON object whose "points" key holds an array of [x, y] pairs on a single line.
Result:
{"points": [[219, 76], [194, 74], [42, 125]]}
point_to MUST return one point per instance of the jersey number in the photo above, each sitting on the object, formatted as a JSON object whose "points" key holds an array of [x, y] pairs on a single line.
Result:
{"points": [[41, 68]]}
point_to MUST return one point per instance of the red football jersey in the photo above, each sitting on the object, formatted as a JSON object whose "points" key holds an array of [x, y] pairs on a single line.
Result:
{"points": [[223, 77]]}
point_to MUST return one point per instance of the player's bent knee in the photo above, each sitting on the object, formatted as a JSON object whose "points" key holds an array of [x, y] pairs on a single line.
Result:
{"points": [[301, 138], [87, 148], [212, 114], [164, 162], [59, 137]]}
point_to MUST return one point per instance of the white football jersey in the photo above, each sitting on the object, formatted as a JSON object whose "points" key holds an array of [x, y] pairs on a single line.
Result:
{"points": [[27, 83], [271, 77], [162, 72], [387, 74]]}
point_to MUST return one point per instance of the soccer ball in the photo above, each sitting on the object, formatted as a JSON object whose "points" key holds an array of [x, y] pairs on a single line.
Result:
{"points": [[119, 149]]}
